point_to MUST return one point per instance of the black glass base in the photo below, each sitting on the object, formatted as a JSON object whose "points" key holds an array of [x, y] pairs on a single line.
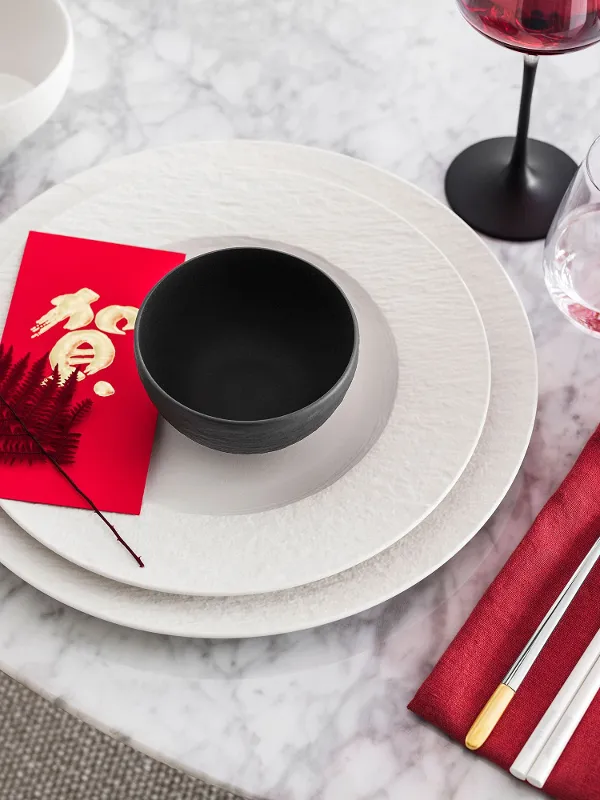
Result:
{"points": [[494, 200]]}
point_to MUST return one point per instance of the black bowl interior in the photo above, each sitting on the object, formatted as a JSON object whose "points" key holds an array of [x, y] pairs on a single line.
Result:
{"points": [[246, 334]]}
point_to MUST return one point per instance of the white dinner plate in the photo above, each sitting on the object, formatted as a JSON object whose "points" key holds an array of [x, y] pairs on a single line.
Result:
{"points": [[366, 498], [474, 498]]}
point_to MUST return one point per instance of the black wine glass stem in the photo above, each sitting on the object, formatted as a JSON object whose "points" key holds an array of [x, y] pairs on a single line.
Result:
{"points": [[518, 160]]}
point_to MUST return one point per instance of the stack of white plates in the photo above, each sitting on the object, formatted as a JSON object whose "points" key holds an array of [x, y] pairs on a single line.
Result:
{"points": [[407, 470]]}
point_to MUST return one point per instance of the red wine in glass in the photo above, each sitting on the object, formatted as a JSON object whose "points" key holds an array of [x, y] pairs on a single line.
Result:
{"points": [[538, 28], [510, 187]]}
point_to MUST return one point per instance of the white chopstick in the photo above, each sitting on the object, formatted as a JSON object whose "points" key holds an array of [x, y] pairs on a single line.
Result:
{"points": [[560, 737], [534, 745]]}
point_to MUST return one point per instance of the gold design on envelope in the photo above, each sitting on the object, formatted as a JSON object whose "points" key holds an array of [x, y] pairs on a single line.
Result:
{"points": [[75, 308], [89, 350], [104, 389], [70, 352], [107, 319]]}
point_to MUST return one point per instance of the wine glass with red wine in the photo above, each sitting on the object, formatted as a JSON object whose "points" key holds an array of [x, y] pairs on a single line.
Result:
{"points": [[511, 187]]}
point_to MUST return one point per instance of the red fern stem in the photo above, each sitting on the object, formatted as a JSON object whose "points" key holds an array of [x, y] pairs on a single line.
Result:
{"points": [[67, 477]]}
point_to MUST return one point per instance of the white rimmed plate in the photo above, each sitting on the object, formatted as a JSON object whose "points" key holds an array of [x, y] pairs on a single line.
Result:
{"points": [[482, 486], [435, 419]]}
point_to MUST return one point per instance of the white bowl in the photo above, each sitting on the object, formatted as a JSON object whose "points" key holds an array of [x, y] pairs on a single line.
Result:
{"points": [[36, 61]]}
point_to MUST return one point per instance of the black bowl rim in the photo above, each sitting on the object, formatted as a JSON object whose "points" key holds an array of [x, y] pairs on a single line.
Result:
{"points": [[350, 367]]}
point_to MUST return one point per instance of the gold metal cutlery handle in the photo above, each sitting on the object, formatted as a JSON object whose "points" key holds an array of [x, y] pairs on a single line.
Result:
{"points": [[498, 702], [489, 716]]}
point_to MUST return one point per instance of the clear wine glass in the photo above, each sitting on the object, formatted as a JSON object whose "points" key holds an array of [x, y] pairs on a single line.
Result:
{"points": [[510, 187], [572, 252]]}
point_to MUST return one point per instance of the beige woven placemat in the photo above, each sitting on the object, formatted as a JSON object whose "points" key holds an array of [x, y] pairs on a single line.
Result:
{"points": [[48, 754]]}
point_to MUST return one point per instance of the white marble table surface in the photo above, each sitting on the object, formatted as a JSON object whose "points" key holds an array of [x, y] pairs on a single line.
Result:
{"points": [[404, 84]]}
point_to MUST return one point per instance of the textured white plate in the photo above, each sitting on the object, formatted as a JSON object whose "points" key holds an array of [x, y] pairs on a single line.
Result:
{"points": [[482, 486], [434, 424]]}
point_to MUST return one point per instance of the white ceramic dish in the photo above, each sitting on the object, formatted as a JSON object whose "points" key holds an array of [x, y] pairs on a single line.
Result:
{"points": [[393, 475], [36, 61], [476, 495]]}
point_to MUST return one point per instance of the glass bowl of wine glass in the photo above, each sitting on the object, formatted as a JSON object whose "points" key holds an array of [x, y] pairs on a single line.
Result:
{"points": [[572, 251], [510, 187]]}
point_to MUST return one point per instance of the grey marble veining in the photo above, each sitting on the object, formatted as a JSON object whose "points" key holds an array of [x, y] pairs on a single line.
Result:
{"points": [[318, 715]]}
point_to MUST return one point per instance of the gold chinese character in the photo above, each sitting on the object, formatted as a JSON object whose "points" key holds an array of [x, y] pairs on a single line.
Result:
{"points": [[75, 308], [90, 348]]}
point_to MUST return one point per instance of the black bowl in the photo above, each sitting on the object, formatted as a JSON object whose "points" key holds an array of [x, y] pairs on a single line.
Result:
{"points": [[247, 349]]}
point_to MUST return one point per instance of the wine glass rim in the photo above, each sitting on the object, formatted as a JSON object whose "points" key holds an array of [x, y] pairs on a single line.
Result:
{"points": [[588, 167]]}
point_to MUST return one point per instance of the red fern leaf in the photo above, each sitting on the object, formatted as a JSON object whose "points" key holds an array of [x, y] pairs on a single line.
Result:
{"points": [[43, 402], [37, 418], [6, 357], [31, 383], [9, 382], [79, 411], [43, 410], [62, 417]]}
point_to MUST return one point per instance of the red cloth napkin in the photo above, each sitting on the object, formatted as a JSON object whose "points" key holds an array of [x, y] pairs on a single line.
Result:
{"points": [[504, 620]]}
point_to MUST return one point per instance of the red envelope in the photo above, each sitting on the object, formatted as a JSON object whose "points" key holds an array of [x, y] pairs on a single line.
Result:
{"points": [[76, 299]]}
